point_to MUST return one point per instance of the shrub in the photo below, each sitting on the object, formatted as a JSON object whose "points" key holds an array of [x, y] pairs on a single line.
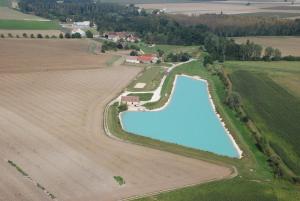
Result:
{"points": [[25, 35], [61, 36], [89, 34], [67, 35]]}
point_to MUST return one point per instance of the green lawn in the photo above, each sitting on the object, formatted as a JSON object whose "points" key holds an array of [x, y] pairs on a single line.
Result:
{"points": [[3, 2], [193, 50], [255, 180], [273, 108], [151, 76], [28, 25], [142, 96]]}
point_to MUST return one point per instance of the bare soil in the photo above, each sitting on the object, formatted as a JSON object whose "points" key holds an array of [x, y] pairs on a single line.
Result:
{"points": [[289, 45], [216, 7], [51, 127]]}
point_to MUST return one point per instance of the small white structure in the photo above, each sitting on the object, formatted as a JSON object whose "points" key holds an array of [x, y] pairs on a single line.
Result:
{"points": [[81, 32], [132, 59], [82, 25], [130, 100]]}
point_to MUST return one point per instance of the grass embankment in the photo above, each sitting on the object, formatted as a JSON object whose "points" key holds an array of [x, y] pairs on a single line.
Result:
{"points": [[193, 50], [255, 180], [142, 96], [274, 109], [28, 25], [151, 76]]}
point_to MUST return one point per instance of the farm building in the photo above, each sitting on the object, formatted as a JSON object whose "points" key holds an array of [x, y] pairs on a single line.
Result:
{"points": [[130, 100], [148, 58], [82, 25], [132, 59], [117, 36]]}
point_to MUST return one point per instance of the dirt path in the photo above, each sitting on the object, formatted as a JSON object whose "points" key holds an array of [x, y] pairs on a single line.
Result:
{"points": [[51, 127]]}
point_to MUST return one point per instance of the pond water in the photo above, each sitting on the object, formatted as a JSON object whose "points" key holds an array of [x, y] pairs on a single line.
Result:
{"points": [[188, 119]]}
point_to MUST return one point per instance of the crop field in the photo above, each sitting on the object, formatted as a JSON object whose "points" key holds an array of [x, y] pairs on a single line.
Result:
{"points": [[52, 142], [8, 13], [289, 45], [272, 105], [46, 54], [216, 7], [28, 24]]}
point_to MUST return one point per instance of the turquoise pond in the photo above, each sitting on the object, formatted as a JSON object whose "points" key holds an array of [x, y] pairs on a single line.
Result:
{"points": [[188, 120]]}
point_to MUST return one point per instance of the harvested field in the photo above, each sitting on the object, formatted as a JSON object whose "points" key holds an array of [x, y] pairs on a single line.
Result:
{"points": [[7, 13], [216, 7], [51, 127], [288, 45], [19, 55]]}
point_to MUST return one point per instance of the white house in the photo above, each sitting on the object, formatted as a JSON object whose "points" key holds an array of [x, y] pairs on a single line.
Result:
{"points": [[132, 59], [82, 25], [130, 100]]}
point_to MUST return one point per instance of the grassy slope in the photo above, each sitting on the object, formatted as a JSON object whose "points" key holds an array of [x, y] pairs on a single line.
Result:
{"points": [[143, 96], [255, 181], [28, 25], [168, 48], [151, 76], [273, 109]]}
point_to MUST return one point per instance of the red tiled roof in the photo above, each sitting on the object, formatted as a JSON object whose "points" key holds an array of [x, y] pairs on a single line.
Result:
{"points": [[145, 58], [130, 98]]}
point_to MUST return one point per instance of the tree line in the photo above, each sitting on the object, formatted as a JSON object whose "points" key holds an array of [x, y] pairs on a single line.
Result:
{"points": [[166, 29]]}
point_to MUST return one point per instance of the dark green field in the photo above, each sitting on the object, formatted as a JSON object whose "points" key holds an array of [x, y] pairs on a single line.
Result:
{"points": [[28, 25], [274, 109]]}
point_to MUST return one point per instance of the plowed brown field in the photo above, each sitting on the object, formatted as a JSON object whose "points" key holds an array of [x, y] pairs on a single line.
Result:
{"points": [[51, 127]]}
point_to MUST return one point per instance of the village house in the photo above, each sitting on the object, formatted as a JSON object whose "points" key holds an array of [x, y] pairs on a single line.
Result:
{"points": [[148, 58], [145, 59], [130, 100], [82, 25], [132, 59], [117, 36]]}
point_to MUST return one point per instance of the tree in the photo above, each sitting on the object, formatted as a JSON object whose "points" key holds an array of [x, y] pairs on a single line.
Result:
{"points": [[269, 52], [61, 35], [25, 35], [2, 36], [133, 53], [233, 100], [76, 35], [47, 36], [89, 34], [160, 52], [277, 54], [39, 36], [32, 36], [10, 35], [207, 60], [68, 35]]}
